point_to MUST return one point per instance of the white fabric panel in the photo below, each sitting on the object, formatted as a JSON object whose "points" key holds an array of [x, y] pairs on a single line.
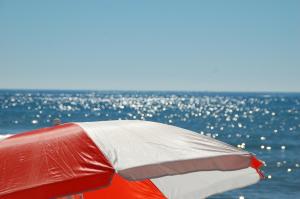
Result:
{"points": [[205, 183], [2, 137], [140, 149]]}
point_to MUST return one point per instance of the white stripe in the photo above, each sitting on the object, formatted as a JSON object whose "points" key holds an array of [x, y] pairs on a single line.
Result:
{"points": [[205, 183], [139, 149]]}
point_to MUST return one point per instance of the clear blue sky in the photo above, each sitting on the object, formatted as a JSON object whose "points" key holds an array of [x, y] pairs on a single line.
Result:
{"points": [[151, 45]]}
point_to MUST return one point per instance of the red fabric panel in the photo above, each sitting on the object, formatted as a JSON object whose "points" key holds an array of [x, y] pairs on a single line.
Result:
{"points": [[257, 164], [51, 162], [122, 188]]}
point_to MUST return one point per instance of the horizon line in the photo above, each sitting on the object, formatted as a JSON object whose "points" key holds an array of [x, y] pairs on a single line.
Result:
{"points": [[147, 90]]}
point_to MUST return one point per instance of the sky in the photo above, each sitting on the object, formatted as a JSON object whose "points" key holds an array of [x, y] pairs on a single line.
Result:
{"points": [[208, 45]]}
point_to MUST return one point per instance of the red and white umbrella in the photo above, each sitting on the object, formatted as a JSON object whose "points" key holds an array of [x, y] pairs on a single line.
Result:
{"points": [[121, 159]]}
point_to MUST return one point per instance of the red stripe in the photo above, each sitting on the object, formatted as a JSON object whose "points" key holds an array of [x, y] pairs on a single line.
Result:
{"points": [[122, 188], [51, 162]]}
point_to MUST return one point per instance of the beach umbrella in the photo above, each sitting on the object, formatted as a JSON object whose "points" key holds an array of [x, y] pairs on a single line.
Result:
{"points": [[121, 159]]}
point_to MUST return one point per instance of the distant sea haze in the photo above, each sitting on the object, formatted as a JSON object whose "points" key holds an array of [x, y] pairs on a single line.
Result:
{"points": [[267, 124]]}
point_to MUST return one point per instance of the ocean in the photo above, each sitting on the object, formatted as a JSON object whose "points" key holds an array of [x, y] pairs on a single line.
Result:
{"points": [[266, 124]]}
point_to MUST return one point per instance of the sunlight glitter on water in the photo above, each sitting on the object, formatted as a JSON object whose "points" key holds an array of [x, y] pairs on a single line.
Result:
{"points": [[267, 125]]}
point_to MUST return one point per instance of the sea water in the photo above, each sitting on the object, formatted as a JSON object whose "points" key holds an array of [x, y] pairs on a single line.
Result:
{"points": [[266, 124]]}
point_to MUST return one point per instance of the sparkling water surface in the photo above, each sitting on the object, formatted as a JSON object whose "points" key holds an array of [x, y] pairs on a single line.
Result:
{"points": [[267, 124]]}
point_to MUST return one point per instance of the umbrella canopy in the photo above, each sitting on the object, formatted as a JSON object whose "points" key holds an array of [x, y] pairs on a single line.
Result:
{"points": [[110, 159]]}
